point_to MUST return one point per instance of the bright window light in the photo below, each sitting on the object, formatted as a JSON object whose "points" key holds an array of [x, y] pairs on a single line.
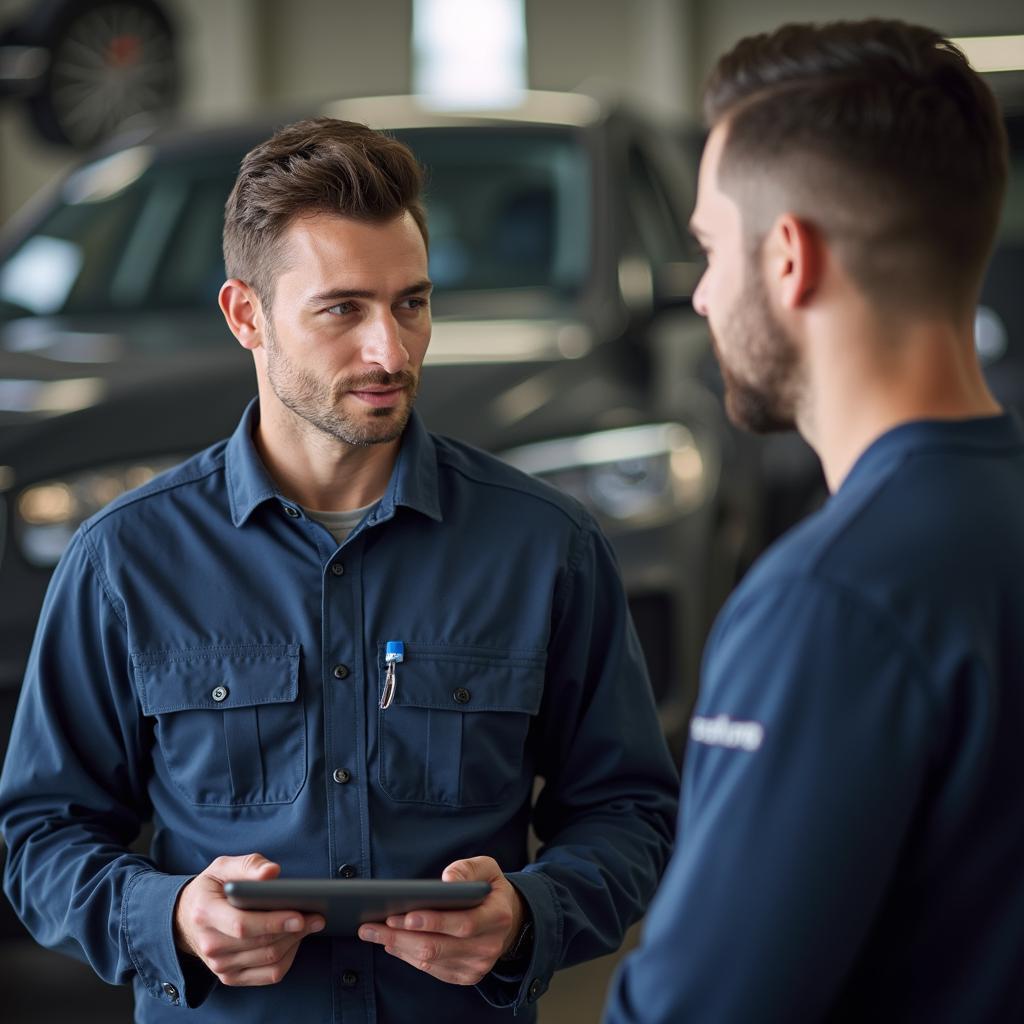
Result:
{"points": [[993, 53], [469, 54]]}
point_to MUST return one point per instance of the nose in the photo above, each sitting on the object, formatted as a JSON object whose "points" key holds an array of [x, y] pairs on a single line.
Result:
{"points": [[699, 300], [383, 343]]}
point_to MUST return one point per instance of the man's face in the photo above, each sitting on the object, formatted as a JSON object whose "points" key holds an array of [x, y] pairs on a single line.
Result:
{"points": [[349, 325], [758, 359]]}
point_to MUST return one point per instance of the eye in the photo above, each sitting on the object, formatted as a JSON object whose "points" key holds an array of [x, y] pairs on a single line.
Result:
{"points": [[415, 302], [341, 308]]}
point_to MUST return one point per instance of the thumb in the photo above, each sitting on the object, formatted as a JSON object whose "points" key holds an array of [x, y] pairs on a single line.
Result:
{"points": [[472, 869], [252, 866]]}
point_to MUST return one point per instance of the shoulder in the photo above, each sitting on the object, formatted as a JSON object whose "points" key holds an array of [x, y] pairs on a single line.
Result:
{"points": [[158, 492], [478, 470]]}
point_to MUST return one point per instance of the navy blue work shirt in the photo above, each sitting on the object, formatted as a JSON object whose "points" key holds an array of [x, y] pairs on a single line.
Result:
{"points": [[209, 658], [851, 840]]}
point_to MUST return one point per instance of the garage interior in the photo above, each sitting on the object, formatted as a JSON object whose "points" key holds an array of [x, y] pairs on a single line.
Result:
{"points": [[240, 60]]}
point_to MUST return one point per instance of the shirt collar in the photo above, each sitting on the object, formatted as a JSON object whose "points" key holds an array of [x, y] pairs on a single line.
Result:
{"points": [[413, 481], [1000, 431]]}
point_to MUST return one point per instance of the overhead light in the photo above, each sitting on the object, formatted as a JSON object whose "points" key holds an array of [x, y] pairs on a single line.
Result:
{"points": [[992, 53], [469, 54]]}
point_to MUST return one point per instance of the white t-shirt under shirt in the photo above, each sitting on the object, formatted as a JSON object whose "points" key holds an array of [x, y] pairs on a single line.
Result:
{"points": [[340, 524]]}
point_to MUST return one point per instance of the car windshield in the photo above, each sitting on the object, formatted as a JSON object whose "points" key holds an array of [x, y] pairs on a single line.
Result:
{"points": [[507, 208]]}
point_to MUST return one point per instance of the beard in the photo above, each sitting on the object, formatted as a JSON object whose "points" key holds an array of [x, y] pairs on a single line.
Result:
{"points": [[762, 375], [320, 402]]}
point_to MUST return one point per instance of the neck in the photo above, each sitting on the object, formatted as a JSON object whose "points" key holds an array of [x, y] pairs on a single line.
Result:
{"points": [[865, 378], [319, 471]]}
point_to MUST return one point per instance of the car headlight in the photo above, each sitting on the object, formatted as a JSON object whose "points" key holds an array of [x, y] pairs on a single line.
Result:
{"points": [[49, 512], [635, 476]]}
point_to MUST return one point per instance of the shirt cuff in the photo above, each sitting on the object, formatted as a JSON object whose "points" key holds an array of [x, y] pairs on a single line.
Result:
{"points": [[502, 991], [147, 925]]}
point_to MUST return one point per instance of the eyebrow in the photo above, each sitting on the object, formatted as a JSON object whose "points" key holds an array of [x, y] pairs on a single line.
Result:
{"points": [[343, 294]]}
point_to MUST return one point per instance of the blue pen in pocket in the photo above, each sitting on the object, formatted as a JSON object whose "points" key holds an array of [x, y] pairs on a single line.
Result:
{"points": [[394, 652]]}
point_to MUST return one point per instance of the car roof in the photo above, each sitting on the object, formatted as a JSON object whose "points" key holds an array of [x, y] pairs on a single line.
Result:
{"points": [[536, 109]]}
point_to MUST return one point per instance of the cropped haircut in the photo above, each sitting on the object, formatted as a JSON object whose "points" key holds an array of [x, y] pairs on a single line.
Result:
{"points": [[879, 135], [321, 165]]}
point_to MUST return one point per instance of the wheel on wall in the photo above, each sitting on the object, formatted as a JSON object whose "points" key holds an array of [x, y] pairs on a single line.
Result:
{"points": [[111, 64]]}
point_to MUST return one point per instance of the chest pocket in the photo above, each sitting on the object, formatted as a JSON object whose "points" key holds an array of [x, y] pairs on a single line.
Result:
{"points": [[455, 732], [229, 726]]}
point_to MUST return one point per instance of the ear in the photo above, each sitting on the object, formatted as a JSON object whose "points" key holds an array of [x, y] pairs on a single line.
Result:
{"points": [[243, 312], [795, 259]]}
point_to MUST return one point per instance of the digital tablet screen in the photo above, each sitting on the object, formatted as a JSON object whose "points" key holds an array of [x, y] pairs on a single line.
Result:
{"points": [[348, 903]]}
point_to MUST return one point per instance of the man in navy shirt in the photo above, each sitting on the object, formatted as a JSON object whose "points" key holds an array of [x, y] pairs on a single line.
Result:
{"points": [[211, 657], [851, 832]]}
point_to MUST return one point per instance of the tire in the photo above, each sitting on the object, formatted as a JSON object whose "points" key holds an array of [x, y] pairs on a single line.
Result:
{"points": [[112, 66]]}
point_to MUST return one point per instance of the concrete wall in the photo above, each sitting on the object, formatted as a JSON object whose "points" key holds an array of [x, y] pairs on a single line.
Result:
{"points": [[240, 55]]}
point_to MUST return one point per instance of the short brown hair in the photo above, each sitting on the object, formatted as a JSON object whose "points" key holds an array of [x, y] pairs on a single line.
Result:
{"points": [[321, 165], [881, 135]]}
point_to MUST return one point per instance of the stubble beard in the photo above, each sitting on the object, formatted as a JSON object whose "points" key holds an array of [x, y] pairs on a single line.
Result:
{"points": [[319, 402], [763, 380]]}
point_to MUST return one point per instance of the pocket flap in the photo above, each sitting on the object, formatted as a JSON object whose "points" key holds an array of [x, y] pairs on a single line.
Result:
{"points": [[216, 678], [468, 678]]}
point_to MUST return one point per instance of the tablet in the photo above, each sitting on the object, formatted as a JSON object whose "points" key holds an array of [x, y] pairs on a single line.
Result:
{"points": [[348, 903]]}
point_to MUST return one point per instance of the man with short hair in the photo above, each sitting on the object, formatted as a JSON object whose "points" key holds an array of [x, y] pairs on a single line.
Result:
{"points": [[211, 656], [851, 833]]}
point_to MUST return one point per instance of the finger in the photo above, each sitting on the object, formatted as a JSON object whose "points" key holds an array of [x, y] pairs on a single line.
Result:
{"points": [[213, 946], [265, 955], [452, 969], [376, 932], [463, 924], [472, 869], [270, 974], [245, 925], [411, 946], [252, 866]]}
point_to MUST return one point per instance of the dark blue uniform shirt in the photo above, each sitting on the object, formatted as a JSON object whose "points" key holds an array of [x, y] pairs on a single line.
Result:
{"points": [[851, 840], [210, 659]]}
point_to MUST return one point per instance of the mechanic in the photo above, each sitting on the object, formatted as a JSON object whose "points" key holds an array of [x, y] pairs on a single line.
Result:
{"points": [[850, 839], [211, 657]]}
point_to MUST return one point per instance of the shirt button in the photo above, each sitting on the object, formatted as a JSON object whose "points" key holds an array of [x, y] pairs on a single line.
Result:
{"points": [[534, 989], [342, 775], [291, 511], [347, 871], [461, 695], [349, 979], [340, 671], [170, 991], [338, 569], [219, 693]]}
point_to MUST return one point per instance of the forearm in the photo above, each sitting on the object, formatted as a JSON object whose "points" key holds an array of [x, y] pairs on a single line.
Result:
{"points": [[78, 890]]}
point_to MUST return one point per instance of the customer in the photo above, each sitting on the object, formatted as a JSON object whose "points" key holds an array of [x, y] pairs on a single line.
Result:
{"points": [[851, 834]]}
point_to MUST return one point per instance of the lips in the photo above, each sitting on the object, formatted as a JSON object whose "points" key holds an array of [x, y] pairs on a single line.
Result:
{"points": [[378, 397]]}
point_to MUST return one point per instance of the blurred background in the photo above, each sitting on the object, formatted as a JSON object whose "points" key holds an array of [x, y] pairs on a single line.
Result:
{"points": [[560, 140]]}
